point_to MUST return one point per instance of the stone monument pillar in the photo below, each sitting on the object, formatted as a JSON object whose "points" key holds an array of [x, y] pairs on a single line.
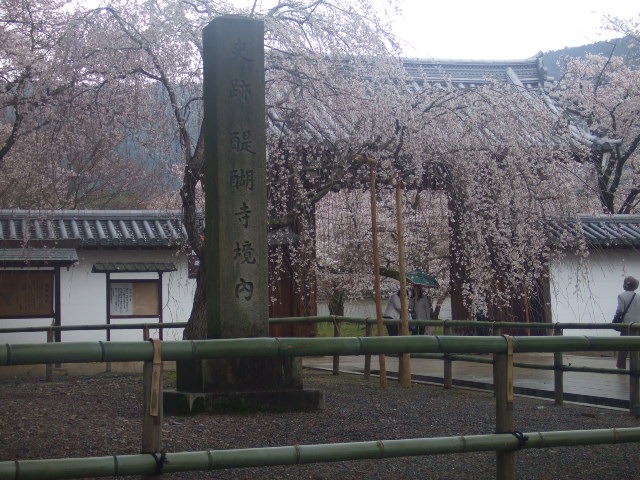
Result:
{"points": [[235, 178], [236, 226]]}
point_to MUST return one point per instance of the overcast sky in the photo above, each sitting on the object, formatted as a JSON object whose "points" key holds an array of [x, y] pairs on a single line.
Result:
{"points": [[504, 29]]}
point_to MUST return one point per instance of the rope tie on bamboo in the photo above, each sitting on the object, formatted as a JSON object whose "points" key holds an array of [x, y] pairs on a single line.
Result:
{"points": [[278, 343], [103, 354], [380, 445], [439, 343], [298, 454], [522, 438], [160, 461], [616, 435], [464, 443]]}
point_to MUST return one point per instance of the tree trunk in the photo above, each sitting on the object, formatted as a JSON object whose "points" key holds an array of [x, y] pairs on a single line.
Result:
{"points": [[336, 303], [457, 267], [196, 328]]}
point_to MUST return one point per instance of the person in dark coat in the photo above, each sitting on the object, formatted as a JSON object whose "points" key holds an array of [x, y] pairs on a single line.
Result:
{"points": [[630, 302]]}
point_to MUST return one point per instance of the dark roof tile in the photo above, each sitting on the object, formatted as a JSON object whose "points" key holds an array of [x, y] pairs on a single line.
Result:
{"points": [[95, 228], [37, 257], [601, 230]]}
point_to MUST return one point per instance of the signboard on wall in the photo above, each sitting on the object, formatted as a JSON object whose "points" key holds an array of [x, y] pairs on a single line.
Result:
{"points": [[26, 293], [134, 299]]}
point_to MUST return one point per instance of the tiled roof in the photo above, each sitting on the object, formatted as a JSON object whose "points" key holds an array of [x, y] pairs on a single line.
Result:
{"points": [[465, 73], [94, 228], [20, 257], [601, 230], [121, 267], [151, 228]]}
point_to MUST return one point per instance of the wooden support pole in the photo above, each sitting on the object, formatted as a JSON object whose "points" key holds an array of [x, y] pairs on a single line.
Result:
{"points": [[49, 366], [634, 377], [496, 331], [447, 374], [634, 390], [160, 302], [527, 307], [503, 381], [558, 373], [108, 332], [336, 334], [376, 268], [152, 414], [405, 359], [368, 330]]}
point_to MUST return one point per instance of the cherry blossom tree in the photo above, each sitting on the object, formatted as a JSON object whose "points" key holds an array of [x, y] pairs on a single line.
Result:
{"points": [[86, 166], [27, 35], [629, 28], [496, 157], [344, 242], [501, 158], [601, 98], [323, 85], [63, 137]]}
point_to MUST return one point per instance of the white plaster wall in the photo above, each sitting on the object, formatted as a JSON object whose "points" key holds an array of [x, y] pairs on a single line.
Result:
{"points": [[84, 298], [584, 290]]}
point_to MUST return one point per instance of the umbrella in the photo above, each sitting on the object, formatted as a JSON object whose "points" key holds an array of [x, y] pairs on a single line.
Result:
{"points": [[422, 278]]}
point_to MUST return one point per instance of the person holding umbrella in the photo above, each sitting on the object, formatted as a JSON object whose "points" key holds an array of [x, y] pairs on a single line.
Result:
{"points": [[393, 311], [420, 303]]}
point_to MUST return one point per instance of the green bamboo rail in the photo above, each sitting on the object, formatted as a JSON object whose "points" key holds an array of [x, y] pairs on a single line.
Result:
{"points": [[502, 347], [82, 352], [532, 366], [448, 325], [340, 319], [110, 326], [141, 464]]}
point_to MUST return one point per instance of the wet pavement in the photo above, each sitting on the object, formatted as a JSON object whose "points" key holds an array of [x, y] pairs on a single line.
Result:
{"points": [[603, 389]]}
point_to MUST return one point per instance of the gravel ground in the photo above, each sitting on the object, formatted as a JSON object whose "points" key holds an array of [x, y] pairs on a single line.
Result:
{"points": [[99, 415]]}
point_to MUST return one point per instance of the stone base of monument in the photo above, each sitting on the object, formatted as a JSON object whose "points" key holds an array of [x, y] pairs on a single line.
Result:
{"points": [[240, 385], [186, 403]]}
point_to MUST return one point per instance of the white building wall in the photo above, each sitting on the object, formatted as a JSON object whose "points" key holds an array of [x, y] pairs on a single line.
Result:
{"points": [[584, 290], [84, 298]]}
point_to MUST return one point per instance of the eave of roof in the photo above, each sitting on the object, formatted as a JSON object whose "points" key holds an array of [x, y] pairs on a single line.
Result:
{"points": [[528, 71], [601, 231], [94, 228], [133, 267], [37, 257]]}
